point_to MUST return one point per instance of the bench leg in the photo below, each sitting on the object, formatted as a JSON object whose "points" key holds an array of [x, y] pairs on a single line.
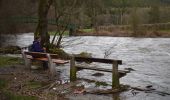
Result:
{"points": [[51, 66], [26, 61]]}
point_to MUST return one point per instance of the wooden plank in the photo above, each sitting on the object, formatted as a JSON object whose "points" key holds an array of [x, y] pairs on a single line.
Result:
{"points": [[59, 61], [36, 54], [79, 67], [31, 53], [40, 59], [54, 56], [41, 55], [101, 60], [94, 68]]}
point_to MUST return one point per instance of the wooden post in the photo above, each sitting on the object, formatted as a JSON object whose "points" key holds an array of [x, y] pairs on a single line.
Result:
{"points": [[73, 69], [26, 60], [115, 75], [51, 66]]}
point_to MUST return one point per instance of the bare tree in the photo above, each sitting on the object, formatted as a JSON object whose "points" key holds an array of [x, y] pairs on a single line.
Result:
{"points": [[64, 12], [42, 26]]}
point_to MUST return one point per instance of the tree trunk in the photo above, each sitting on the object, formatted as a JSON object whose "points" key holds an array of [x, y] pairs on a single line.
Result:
{"points": [[42, 27]]}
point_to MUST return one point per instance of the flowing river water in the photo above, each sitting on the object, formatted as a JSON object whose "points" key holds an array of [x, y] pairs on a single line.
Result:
{"points": [[149, 57]]}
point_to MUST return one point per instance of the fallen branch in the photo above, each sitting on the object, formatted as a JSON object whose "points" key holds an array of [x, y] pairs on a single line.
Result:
{"points": [[103, 91], [44, 87], [109, 91]]}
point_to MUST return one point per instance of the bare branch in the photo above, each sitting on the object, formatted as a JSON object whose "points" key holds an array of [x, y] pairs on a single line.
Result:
{"points": [[108, 51]]}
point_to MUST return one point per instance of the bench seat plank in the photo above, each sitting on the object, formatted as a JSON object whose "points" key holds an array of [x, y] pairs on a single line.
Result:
{"points": [[101, 60], [57, 61]]}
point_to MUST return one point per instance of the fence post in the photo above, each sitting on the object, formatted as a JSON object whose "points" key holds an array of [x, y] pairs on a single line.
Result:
{"points": [[73, 69], [115, 75]]}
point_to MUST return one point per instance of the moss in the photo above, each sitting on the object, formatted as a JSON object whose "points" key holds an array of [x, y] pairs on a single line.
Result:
{"points": [[4, 61], [66, 33], [34, 85], [87, 30], [101, 84], [84, 54], [10, 96], [3, 84], [60, 52], [10, 50]]}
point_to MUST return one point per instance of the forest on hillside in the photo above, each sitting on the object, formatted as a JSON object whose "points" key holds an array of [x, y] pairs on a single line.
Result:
{"points": [[86, 14]]}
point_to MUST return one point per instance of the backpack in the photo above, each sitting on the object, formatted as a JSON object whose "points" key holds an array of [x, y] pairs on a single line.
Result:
{"points": [[31, 48]]}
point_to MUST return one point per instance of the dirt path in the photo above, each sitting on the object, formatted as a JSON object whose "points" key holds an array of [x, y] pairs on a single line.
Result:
{"points": [[36, 83]]}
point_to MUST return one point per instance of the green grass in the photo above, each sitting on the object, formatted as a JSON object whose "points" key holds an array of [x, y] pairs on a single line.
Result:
{"points": [[11, 96], [66, 33], [101, 84], [163, 30], [87, 30], [4, 61], [3, 83], [34, 85]]}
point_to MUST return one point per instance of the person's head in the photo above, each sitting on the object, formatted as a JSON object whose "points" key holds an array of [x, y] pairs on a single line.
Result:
{"points": [[38, 38]]}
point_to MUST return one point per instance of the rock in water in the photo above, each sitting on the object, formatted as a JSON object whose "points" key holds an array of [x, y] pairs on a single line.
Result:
{"points": [[98, 74]]}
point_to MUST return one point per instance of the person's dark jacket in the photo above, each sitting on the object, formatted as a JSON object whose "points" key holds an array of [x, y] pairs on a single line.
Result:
{"points": [[37, 47]]}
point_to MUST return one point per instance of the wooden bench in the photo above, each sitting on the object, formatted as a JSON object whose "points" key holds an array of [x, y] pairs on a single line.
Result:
{"points": [[115, 73], [52, 59]]}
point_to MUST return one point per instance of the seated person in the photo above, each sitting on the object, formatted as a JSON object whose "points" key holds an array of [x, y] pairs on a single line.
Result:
{"points": [[36, 47]]}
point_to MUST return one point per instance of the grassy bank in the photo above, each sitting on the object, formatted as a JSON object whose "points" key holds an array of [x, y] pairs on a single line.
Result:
{"points": [[66, 33], [5, 94], [10, 96], [90, 30], [167, 31], [6, 61], [120, 32]]}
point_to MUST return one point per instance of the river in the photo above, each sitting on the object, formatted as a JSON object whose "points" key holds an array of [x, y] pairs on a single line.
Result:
{"points": [[149, 57]]}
